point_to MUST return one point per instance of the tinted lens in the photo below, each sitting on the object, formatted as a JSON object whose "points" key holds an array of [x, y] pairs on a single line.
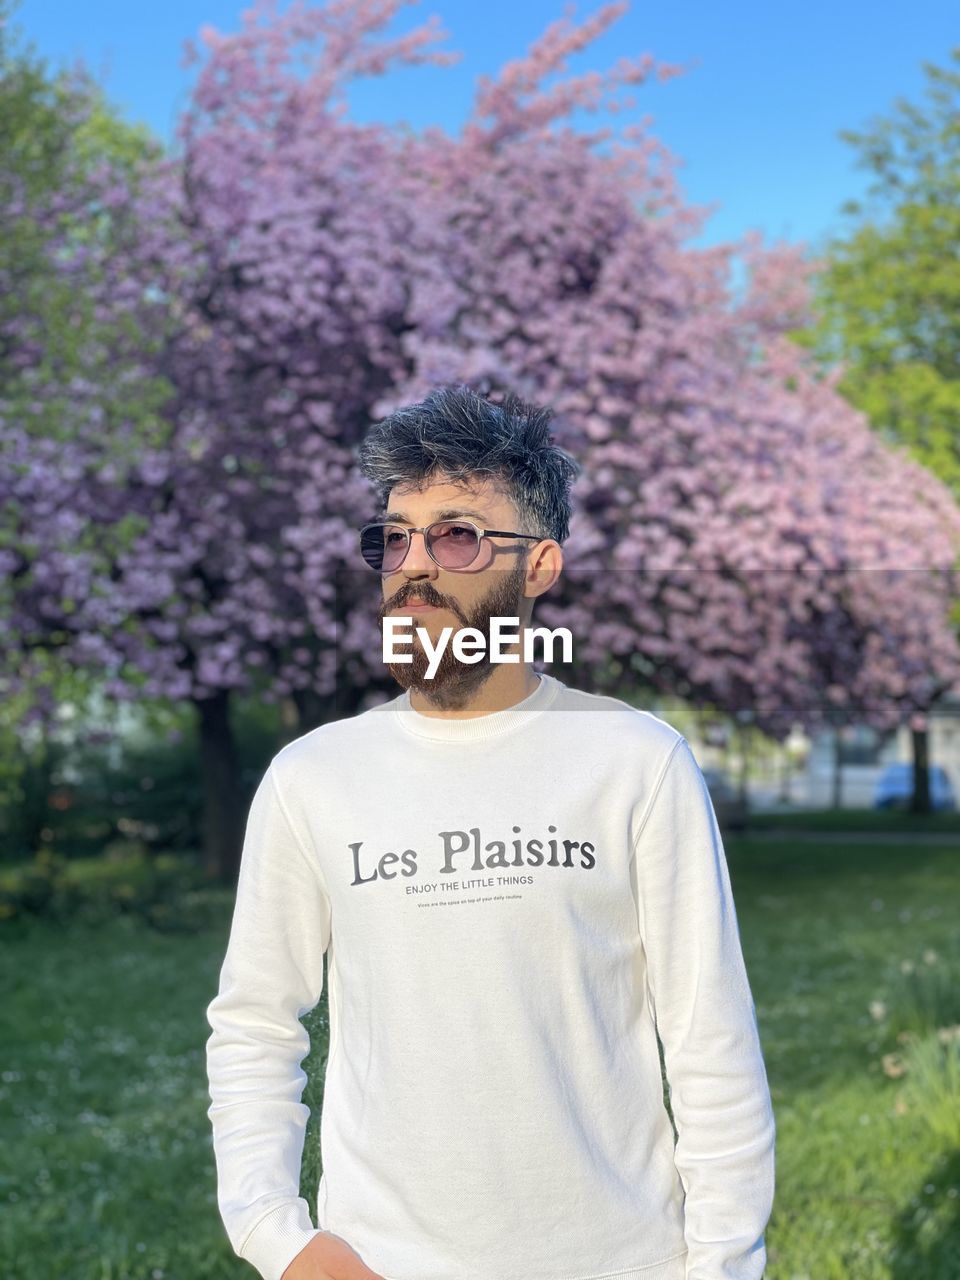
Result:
{"points": [[453, 545], [383, 546]]}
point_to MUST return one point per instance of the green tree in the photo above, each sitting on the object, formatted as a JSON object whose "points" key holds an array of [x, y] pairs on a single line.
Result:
{"points": [[56, 130], [889, 292]]}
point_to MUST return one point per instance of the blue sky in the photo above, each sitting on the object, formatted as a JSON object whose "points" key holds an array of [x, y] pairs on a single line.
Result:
{"points": [[754, 121]]}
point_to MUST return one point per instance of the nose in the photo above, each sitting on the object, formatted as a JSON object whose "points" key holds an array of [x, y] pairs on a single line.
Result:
{"points": [[417, 560]]}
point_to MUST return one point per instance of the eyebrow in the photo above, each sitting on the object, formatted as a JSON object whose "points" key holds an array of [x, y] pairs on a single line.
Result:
{"points": [[448, 513]]}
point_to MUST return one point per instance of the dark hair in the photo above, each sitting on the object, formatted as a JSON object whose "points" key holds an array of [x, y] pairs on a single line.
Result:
{"points": [[457, 436]]}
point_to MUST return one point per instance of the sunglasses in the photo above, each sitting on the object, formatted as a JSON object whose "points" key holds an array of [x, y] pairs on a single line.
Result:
{"points": [[451, 544]]}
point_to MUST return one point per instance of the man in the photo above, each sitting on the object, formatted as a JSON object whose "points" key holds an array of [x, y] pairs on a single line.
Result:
{"points": [[517, 885]]}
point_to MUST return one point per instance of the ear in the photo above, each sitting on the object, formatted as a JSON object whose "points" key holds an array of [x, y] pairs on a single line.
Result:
{"points": [[544, 566]]}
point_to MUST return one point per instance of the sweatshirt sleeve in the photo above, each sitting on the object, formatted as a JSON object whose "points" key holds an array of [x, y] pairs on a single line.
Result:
{"points": [[272, 974], [707, 1024]]}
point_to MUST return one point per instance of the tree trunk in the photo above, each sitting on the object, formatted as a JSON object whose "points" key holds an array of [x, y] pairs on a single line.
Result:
{"points": [[837, 800], [920, 801], [744, 765], [314, 709], [785, 769], [224, 813], [36, 784]]}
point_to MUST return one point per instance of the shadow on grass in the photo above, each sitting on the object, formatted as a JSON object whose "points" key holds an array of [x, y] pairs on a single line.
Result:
{"points": [[927, 1230]]}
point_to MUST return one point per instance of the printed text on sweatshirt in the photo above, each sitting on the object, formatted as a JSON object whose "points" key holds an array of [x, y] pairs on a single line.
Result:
{"points": [[511, 907]]}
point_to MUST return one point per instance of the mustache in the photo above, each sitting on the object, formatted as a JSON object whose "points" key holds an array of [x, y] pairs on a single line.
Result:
{"points": [[418, 595], [502, 595]]}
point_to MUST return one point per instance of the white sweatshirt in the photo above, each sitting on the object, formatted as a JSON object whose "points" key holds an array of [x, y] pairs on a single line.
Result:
{"points": [[511, 905]]}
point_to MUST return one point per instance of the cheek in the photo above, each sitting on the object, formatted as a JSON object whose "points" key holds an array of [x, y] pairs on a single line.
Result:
{"points": [[485, 558]]}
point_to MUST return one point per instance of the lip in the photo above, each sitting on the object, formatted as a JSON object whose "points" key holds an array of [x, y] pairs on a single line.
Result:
{"points": [[416, 608]]}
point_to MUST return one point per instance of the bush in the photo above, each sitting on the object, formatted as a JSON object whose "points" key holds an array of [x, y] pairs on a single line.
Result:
{"points": [[167, 891], [924, 1020], [141, 783], [931, 1087]]}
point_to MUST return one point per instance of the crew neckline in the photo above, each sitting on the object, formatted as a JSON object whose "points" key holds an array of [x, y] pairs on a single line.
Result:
{"points": [[478, 728]]}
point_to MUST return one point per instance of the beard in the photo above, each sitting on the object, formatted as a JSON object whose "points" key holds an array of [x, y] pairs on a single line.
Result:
{"points": [[454, 682]]}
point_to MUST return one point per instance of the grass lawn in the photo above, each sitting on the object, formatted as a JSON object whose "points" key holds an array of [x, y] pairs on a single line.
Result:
{"points": [[858, 820], [106, 1170]]}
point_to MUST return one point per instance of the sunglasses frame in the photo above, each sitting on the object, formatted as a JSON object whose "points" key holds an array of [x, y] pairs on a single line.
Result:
{"points": [[408, 530]]}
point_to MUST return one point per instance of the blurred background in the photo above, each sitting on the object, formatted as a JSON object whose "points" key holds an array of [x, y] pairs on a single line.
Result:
{"points": [[722, 245]]}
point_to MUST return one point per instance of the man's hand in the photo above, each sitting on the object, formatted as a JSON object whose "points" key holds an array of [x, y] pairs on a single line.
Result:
{"points": [[328, 1257]]}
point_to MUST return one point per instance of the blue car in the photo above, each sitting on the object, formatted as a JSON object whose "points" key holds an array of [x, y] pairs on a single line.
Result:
{"points": [[894, 787]]}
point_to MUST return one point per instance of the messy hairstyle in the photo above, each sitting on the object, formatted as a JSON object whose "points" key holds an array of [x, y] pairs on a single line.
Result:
{"points": [[456, 436]]}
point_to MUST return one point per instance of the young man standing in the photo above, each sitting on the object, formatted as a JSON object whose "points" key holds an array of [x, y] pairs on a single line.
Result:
{"points": [[517, 885]]}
